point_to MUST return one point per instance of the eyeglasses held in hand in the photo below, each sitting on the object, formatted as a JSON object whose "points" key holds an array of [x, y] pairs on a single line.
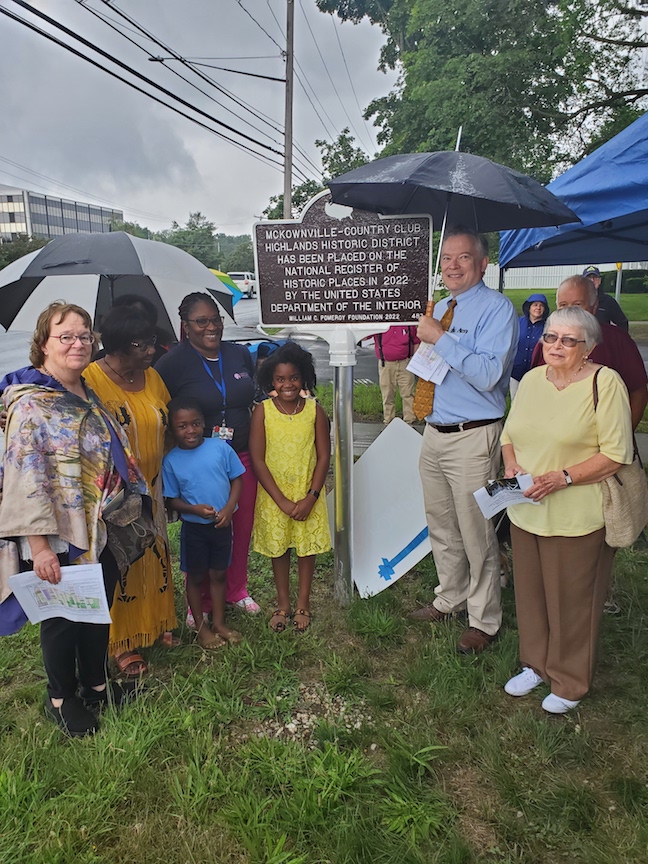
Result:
{"points": [[567, 341], [70, 338], [145, 343], [215, 321]]}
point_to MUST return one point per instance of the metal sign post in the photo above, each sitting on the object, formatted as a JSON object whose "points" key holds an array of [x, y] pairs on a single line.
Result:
{"points": [[342, 275]]}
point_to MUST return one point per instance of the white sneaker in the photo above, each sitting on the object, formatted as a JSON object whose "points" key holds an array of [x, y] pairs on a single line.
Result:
{"points": [[557, 705], [523, 683], [248, 605]]}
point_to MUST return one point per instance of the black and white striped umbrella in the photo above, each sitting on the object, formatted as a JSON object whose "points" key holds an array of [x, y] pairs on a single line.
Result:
{"points": [[92, 270]]}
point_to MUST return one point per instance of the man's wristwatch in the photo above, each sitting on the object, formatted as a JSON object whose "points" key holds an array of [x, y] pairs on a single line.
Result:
{"points": [[567, 477], [315, 493]]}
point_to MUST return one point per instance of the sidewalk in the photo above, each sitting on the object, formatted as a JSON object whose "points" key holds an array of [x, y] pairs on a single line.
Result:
{"points": [[365, 434]]}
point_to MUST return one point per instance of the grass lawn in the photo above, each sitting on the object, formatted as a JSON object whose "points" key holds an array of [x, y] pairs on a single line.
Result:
{"points": [[367, 740], [635, 306]]}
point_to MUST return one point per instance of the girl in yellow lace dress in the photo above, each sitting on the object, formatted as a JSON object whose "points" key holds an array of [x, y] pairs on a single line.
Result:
{"points": [[290, 449]]}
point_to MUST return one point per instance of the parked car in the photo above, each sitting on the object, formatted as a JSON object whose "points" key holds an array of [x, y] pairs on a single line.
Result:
{"points": [[245, 282]]}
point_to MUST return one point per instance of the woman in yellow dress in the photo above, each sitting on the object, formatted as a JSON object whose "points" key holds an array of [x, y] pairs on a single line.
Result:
{"points": [[137, 397]]}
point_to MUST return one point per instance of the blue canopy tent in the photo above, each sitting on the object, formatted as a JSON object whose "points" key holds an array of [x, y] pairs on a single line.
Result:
{"points": [[608, 191]]}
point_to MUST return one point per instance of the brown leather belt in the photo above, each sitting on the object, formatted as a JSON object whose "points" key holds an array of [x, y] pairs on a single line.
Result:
{"points": [[464, 427]]}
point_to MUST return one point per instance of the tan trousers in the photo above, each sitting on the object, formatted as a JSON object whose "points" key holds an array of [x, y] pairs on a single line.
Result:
{"points": [[560, 588], [394, 375], [465, 548]]}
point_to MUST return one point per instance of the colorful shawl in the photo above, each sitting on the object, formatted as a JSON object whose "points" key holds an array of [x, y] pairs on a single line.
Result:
{"points": [[58, 470]]}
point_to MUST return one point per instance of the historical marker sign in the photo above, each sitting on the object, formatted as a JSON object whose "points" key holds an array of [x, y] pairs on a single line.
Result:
{"points": [[341, 266]]}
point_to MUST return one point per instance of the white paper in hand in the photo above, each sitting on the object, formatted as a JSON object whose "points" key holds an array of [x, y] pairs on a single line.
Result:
{"points": [[427, 364], [79, 596], [499, 494]]}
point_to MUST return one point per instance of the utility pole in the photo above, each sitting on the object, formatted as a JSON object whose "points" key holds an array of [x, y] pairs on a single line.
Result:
{"points": [[288, 126]]}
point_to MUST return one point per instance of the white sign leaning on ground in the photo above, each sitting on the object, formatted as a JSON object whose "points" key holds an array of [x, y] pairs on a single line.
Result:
{"points": [[390, 534]]}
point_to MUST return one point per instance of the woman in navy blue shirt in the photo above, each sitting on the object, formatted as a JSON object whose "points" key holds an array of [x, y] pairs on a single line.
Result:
{"points": [[220, 376]]}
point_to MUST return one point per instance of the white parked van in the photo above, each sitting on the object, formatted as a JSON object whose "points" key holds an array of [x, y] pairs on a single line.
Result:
{"points": [[245, 282]]}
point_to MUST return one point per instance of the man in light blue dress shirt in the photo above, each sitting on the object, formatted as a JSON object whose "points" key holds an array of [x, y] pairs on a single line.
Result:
{"points": [[461, 450]]}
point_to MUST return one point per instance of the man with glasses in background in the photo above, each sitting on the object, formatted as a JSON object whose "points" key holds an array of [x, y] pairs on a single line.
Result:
{"points": [[617, 349]]}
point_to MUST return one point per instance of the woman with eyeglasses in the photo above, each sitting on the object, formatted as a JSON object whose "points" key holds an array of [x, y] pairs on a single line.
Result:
{"points": [[220, 376], [137, 398], [561, 561], [65, 460]]}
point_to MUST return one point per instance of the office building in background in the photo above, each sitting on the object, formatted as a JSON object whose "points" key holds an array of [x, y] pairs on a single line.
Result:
{"points": [[23, 212]]}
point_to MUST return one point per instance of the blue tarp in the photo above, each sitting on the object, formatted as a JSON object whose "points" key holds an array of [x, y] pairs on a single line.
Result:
{"points": [[608, 191]]}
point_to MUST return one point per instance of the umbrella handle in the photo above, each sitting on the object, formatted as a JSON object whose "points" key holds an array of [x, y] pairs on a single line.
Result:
{"points": [[429, 309]]}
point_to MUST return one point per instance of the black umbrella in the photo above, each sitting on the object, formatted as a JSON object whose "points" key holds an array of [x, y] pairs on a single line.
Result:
{"points": [[92, 270], [470, 190]]}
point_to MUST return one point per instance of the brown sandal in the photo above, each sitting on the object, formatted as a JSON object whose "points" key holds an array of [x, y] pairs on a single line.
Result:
{"points": [[131, 664], [305, 613], [168, 640], [281, 622]]}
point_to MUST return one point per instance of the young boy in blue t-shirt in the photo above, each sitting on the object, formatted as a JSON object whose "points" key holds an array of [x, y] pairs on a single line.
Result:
{"points": [[202, 481]]}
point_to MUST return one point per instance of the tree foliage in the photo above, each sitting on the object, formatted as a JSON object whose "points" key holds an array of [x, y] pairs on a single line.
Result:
{"points": [[531, 82], [241, 257], [11, 250], [133, 228], [340, 156], [197, 237]]}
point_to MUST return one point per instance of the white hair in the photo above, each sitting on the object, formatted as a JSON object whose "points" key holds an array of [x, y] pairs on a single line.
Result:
{"points": [[576, 316]]}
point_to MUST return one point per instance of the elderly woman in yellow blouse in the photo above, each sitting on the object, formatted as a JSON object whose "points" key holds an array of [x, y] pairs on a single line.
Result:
{"points": [[561, 561]]}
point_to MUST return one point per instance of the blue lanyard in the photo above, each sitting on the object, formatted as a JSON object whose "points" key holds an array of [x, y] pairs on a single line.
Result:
{"points": [[220, 385]]}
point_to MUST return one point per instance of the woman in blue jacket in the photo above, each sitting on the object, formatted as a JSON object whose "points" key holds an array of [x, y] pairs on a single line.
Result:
{"points": [[536, 310]]}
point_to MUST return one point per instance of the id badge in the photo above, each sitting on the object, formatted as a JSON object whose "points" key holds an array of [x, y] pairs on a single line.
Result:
{"points": [[225, 433]]}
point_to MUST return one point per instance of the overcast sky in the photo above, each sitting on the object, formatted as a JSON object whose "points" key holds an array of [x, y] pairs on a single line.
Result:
{"points": [[76, 125]]}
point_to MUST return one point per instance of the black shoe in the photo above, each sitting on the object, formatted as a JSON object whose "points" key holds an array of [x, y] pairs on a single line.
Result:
{"points": [[114, 694], [72, 717]]}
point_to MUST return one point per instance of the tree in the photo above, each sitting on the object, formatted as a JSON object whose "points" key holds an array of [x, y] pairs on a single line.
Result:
{"points": [[300, 195], [11, 250], [337, 157], [197, 237], [340, 156], [240, 258], [133, 228], [530, 81]]}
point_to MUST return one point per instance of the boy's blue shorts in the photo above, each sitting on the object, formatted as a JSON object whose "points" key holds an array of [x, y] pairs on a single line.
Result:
{"points": [[204, 547]]}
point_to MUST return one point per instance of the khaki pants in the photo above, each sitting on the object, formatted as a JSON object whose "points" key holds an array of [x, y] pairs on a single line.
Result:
{"points": [[394, 375], [560, 588], [465, 548]]}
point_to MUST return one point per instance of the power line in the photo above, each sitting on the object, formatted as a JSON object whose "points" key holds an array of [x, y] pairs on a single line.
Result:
{"points": [[303, 86], [335, 89], [353, 90], [147, 33], [222, 68], [134, 72], [116, 29], [262, 157], [260, 26], [258, 114]]}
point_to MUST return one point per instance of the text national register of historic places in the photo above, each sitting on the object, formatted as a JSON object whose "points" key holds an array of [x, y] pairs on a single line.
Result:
{"points": [[342, 266]]}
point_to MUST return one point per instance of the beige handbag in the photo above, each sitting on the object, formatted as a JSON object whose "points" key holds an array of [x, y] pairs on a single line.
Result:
{"points": [[625, 498]]}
